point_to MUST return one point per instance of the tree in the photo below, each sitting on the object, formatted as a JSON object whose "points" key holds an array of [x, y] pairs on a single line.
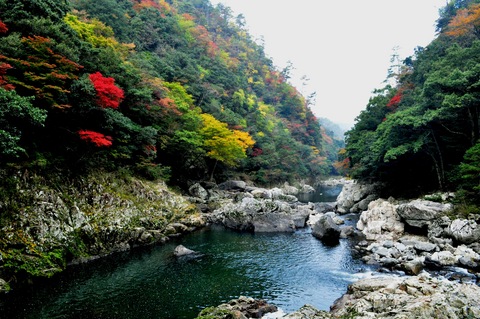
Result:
{"points": [[223, 144], [98, 139], [109, 95], [470, 174], [41, 72], [465, 22], [17, 117]]}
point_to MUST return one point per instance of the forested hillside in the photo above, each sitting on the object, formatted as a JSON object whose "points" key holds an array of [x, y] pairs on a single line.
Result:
{"points": [[421, 133], [174, 89]]}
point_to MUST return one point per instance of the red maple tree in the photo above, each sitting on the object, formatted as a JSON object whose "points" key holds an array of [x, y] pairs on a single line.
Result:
{"points": [[3, 27], [394, 101], [96, 138], [108, 94], [3, 82]]}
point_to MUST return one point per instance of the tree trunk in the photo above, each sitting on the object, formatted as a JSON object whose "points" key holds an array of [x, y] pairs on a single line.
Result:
{"points": [[213, 170]]}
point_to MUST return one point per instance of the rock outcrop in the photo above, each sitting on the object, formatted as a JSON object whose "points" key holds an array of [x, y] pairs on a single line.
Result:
{"points": [[73, 221], [308, 312], [381, 221], [421, 297], [241, 308], [440, 242], [422, 213], [355, 197], [257, 209]]}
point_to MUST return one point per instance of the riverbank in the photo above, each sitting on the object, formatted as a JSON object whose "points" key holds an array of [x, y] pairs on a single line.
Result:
{"points": [[123, 214], [50, 223], [415, 243]]}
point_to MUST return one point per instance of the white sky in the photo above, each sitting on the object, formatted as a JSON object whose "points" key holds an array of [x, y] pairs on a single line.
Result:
{"points": [[343, 47]]}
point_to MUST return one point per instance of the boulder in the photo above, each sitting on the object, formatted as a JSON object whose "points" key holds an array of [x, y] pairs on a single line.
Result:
{"points": [[419, 296], [444, 258], [326, 230], [290, 190], [260, 215], [196, 190], [351, 194], [306, 189], [233, 186], [241, 308], [381, 221], [420, 213], [308, 312], [181, 250], [464, 231]]}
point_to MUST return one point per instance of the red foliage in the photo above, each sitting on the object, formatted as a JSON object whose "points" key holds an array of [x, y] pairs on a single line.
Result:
{"points": [[394, 101], [3, 27], [150, 150], [257, 151], [109, 95], [96, 138], [3, 82]]}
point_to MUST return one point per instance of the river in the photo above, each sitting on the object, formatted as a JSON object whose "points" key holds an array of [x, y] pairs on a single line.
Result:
{"points": [[288, 270]]}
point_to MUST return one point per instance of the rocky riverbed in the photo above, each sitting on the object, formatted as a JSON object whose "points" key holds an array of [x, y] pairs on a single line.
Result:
{"points": [[413, 242]]}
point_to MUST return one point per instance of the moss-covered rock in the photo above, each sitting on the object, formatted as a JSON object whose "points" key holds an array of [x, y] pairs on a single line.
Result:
{"points": [[50, 221]]}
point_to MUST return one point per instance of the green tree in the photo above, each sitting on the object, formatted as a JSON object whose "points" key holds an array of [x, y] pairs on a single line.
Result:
{"points": [[17, 117], [470, 174]]}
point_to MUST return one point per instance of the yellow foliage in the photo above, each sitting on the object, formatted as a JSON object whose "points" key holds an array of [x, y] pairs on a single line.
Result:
{"points": [[244, 139], [97, 34], [223, 144]]}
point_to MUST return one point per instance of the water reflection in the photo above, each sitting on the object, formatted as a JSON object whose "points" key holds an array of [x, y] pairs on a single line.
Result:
{"points": [[288, 270]]}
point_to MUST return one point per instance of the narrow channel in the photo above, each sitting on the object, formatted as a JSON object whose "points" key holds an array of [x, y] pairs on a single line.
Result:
{"points": [[288, 270]]}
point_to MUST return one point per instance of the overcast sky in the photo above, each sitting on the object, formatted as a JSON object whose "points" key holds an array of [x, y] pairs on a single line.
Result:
{"points": [[343, 47]]}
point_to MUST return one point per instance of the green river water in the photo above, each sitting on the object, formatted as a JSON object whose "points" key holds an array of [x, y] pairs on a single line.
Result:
{"points": [[288, 270]]}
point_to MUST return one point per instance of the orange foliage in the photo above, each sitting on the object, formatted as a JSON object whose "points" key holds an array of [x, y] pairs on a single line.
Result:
{"points": [[465, 22], [160, 5], [188, 17], [394, 101], [203, 36], [168, 106], [43, 73], [342, 166]]}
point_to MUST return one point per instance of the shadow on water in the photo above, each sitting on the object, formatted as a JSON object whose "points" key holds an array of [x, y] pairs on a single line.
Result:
{"points": [[288, 270], [322, 193]]}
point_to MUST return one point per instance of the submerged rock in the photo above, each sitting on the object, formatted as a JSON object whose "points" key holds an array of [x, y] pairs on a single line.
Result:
{"points": [[181, 250]]}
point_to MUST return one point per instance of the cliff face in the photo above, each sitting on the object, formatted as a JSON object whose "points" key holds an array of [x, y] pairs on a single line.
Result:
{"points": [[47, 223]]}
